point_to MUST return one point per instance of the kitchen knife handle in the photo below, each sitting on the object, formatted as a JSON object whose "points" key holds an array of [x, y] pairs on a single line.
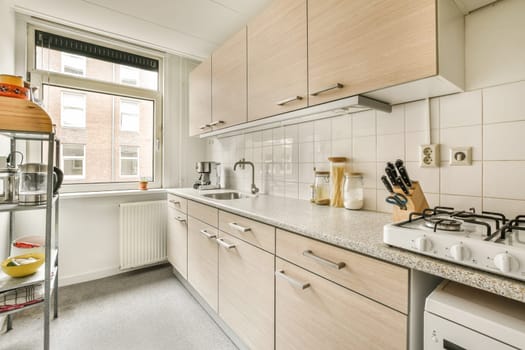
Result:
{"points": [[401, 185], [404, 175], [391, 166], [391, 173], [387, 184], [293, 282], [399, 163]]}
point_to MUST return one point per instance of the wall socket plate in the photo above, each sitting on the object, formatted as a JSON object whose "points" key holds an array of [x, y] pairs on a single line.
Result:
{"points": [[429, 156], [460, 156]]}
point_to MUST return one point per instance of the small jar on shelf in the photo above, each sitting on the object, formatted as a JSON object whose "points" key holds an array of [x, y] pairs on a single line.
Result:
{"points": [[321, 188], [353, 191]]}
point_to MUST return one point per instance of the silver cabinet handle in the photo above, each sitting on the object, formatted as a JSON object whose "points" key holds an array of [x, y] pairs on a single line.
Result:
{"points": [[293, 282], [311, 255], [180, 219], [205, 126], [332, 87], [238, 227], [174, 202], [207, 234], [217, 122], [288, 100], [225, 244]]}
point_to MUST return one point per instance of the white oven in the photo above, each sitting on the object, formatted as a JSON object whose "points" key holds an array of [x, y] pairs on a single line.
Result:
{"points": [[458, 317]]}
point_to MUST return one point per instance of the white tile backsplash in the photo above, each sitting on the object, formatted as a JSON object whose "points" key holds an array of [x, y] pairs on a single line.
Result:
{"points": [[491, 121], [460, 109]]}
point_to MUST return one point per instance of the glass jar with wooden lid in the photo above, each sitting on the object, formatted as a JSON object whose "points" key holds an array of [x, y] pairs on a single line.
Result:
{"points": [[337, 175]]}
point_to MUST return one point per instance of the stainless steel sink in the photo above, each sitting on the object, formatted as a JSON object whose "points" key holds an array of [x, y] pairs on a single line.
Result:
{"points": [[225, 195]]}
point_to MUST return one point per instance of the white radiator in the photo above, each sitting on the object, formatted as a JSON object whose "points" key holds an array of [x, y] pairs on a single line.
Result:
{"points": [[142, 233]]}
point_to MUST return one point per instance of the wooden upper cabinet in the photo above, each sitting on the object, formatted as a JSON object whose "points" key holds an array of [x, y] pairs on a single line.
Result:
{"points": [[363, 45], [277, 59], [229, 82], [200, 98]]}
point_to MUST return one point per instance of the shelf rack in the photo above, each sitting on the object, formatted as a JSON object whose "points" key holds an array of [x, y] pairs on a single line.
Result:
{"points": [[24, 120]]}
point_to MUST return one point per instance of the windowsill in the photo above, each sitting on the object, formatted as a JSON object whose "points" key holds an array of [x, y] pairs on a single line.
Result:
{"points": [[74, 195]]}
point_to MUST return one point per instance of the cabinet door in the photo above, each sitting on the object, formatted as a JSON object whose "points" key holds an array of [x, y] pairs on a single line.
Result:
{"points": [[246, 291], [325, 315], [277, 69], [202, 260], [229, 82], [364, 45], [200, 98], [178, 241]]}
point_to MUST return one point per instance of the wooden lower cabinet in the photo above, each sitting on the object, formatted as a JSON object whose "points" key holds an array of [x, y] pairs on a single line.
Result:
{"points": [[177, 241], [325, 315], [202, 260], [246, 292]]}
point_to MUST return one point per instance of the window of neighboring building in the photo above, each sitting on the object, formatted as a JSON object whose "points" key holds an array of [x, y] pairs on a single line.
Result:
{"points": [[129, 161], [73, 64], [129, 115], [116, 102], [74, 161], [73, 111], [129, 75]]}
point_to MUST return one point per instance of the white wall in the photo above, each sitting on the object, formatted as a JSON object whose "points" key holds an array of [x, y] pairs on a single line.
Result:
{"points": [[7, 38], [490, 117]]}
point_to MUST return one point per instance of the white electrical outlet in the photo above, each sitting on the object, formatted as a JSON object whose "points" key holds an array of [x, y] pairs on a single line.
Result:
{"points": [[460, 156], [429, 156]]}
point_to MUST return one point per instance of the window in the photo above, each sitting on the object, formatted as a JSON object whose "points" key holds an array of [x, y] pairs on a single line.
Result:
{"points": [[73, 161], [73, 64], [129, 115], [110, 117], [129, 76], [73, 111], [129, 161]]}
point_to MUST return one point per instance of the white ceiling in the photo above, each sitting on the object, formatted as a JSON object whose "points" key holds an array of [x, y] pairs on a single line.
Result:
{"points": [[191, 28]]}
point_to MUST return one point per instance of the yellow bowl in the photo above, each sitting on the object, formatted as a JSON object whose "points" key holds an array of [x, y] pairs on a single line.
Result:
{"points": [[25, 269]]}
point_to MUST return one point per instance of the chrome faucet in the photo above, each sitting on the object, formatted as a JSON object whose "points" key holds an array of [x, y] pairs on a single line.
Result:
{"points": [[242, 163]]}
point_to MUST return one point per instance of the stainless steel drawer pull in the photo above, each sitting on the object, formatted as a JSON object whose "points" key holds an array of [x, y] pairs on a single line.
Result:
{"points": [[292, 281], [225, 244], [238, 227], [288, 100], [174, 202], [207, 234], [311, 255], [202, 127], [332, 87], [217, 122], [180, 219]]}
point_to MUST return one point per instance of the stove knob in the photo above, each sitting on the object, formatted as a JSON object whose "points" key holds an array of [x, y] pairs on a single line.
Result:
{"points": [[505, 262], [459, 252], [423, 244]]}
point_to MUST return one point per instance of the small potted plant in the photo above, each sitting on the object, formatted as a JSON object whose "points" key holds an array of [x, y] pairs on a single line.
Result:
{"points": [[143, 183]]}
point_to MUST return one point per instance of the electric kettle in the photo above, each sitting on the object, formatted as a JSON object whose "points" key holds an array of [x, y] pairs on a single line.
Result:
{"points": [[33, 183]]}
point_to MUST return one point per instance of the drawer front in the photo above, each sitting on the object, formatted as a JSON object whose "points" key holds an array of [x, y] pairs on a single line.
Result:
{"points": [[177, 247], [325, 315], [246, 292], [384, 282], [256, 233], [178, 203], [202, 260], [204, 213]]}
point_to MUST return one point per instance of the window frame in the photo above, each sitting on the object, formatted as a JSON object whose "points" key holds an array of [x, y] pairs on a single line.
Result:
{"points": [[63, 158], [126, 158], [40, 78], [62, 93]]}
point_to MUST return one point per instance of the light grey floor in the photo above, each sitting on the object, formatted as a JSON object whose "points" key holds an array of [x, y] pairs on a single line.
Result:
{"points": [[146, 309]]}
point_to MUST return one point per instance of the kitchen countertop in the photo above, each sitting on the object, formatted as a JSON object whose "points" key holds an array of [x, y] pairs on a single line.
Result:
{"points": [[360, 231]]}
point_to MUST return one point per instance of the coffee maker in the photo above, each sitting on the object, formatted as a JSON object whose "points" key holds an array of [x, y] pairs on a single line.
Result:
{"points": [[209, 176]]}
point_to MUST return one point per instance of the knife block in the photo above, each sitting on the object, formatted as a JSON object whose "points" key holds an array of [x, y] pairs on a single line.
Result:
{"points": [[417, 202]]}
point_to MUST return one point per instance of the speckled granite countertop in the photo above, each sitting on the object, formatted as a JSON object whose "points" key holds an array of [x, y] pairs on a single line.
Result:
{"points": [[360, 231]]}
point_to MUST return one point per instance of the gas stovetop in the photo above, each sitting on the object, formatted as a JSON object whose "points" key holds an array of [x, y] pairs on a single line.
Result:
{"points": [[487, 241]]}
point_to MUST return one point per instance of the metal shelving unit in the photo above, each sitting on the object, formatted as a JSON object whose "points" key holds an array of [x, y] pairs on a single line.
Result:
{"points": [[24, 120]]}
